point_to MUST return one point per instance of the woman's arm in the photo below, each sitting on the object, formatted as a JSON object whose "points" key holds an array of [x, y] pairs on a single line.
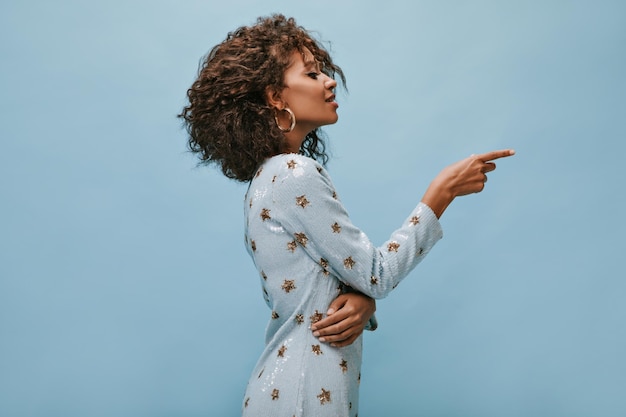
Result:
{"points": [[315, 221], [306, 208]]}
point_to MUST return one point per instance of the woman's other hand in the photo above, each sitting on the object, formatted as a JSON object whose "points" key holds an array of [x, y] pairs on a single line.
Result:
{"points": [[346, 318]]}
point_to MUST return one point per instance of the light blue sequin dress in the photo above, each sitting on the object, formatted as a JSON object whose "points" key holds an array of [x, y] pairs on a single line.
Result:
{"points": [[305, 248]]}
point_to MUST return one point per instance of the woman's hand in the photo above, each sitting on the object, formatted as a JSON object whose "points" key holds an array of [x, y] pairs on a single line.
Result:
{"points": [[346, 318], [467, 176]]}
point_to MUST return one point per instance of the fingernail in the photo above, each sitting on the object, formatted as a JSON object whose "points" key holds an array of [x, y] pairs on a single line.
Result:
{"points": [[313, 327], [330, 311], [322, 339], [316, 334]]}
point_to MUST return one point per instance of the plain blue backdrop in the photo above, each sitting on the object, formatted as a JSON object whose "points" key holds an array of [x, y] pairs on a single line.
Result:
{"points": [[125, 289]]}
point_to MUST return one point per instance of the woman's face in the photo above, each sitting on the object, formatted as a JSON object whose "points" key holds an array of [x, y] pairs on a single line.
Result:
{"points": [[309, 93]]}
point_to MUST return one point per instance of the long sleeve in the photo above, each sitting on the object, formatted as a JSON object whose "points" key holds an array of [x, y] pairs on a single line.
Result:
{"points": [[307, 207]]}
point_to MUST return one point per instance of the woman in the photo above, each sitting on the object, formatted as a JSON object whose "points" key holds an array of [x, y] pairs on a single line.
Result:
{"points": [[255, 110]]}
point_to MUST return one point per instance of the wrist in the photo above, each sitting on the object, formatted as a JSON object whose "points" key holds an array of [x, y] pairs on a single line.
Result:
{"points": [[438, 198]]}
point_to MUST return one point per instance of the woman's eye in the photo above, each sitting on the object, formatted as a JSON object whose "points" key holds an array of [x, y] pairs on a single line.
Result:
{"points": [[313, 75]]}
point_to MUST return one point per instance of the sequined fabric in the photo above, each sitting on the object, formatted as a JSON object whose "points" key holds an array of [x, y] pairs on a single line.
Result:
{"points": [[307, 251]]}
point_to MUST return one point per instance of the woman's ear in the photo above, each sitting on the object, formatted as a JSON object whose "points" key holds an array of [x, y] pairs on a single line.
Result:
{"points": [[273, 98]]}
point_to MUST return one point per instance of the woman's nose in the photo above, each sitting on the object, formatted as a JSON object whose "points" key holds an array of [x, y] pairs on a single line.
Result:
{"points": [[330, 83]]}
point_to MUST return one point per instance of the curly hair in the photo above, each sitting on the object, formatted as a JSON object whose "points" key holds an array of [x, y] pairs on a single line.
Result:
{"points": [[228, 119]]}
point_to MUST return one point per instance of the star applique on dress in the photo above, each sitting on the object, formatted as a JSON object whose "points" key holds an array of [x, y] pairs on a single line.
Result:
{"points": [[299, 318], [344, 366], [348, 262], [317, 349], [275, 394], [324, 265], [281, 351], [292, 246], [324, 397], [302, 201], [374, 280], [393, 246], [301, 238], [288, 285], [415, 220], [317, 316], [291, 164], [336, 227], [265, 214]]}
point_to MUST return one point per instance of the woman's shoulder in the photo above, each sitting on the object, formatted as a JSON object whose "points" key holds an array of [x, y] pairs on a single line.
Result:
{"points": [[289, 165], [289, 173]]}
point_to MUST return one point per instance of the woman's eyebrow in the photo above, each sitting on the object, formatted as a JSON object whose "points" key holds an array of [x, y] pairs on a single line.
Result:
{"points": [[312, 64]]}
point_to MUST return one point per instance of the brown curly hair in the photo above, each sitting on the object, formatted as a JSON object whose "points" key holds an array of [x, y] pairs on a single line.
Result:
{"points": [[228, 118]]}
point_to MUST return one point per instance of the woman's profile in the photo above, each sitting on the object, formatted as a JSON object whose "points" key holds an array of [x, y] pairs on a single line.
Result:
{"points": [[255, 110]]}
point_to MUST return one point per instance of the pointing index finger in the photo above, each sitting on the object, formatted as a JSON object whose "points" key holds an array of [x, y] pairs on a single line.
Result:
{"points": [[490, 156]]}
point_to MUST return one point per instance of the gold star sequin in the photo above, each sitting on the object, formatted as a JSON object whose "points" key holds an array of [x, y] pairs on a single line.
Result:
{"points": [[259, 172], [264, 276], [316, 317], [261, 373], [348, 262], [299, 319], [324, 264], [421, 251], [336, 228], [275, 393], [302, 201], [275, 315], [291, 164], [301, 238], [288, 285], [415, 220], [247, 401], [393, 246], [344, 366], [265, 214], [253, 245], [334, 195], [250, 203], [324, 397], [359, 379], [319, 169], [317, 349], [274, 179], [281, 351], [292, 245], [374, 280]]}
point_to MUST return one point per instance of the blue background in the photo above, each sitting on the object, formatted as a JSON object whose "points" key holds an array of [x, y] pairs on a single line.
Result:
{"points": [[125, 289]]}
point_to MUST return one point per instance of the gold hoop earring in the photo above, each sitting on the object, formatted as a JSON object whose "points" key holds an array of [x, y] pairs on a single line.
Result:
{"points": [[292, 117]]}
